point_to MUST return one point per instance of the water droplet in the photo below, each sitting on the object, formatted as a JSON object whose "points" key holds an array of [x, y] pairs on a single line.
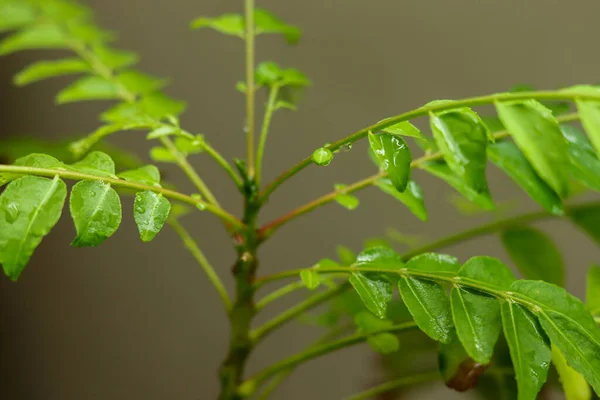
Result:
{"points": [[201, 206], [12, 212], [92, 193], [347, 147], [140, 209]]}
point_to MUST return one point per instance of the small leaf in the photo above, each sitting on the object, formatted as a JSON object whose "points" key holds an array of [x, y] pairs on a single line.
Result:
{"points": [[266, 22], [188, 145], [488, 271], [568, 324], [163, 131], [268, 73], [96, 211], [538, 135], [146, 175], [310, 278], [346, 200], [95, 163], [394, 157], [29, 208], [345, 255], [34, 37], [322, 156], [442, 171], [574, 385], [88, 88], [436, 263], [534, 253], [588, 220], [115, 59], [140, 83], [429, 305], [150, 211], [585, 166], [15, 15], [228, 24], [529, 349], [509, 158], [50, 69], [375, 293], [592, 296], [384, 343], [160, 154], [405, 128], [412, 197], [477, 321], [589, 113], [462, 138]]}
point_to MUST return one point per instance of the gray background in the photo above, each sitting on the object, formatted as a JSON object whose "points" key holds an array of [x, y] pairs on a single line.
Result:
{"points": [[139, 321]]}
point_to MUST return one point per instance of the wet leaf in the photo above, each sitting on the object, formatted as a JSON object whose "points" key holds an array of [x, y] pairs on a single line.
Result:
{"points": [[405, 128], [585, 165], [34, 160], [412, 197], [95, 163], [322, 156], [150, 211], [487, 271], [146, 175], [394, 157], [435, 263]]}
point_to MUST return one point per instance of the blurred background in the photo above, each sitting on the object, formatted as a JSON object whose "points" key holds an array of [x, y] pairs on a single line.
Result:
{"points": [[130, 320]]}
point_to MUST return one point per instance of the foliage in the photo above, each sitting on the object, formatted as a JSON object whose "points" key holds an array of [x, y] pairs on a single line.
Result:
{"points": [[475, 317]]}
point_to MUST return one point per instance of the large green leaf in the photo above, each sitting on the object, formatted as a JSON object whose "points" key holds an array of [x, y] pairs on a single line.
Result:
{"points": [[34, 160], [89, 88], [509, 158], [95, 163], [379, 258], [462, 137], [96, 210], [535, 254], [588, 219], [429, 305], [442, 171], [592, 297], [529, 349], [538, 135], [394, 157], [50, 69], [146, 175], [568, 324], [34, 37], [375, 292], [488, 271], [585, 165], [477, 321], [435, 263], [412, 197], [574, 384], [150, 211], [29, 209]]}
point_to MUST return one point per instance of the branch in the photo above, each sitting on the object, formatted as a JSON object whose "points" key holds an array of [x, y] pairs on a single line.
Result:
{"points": [[265, 131], [268, 229], [276, 294], [224, 215], [249, 39], [199, 256], [395, 384]]}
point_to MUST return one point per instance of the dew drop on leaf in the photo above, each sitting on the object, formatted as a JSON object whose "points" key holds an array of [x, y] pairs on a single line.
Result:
{"points": [[12, 212]]}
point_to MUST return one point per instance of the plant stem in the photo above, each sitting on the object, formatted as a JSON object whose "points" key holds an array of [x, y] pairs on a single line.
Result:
{"points": [[270, 108], [260, 333], [422, 111], [276, 294], [249, 39], [224, 215], [321, 350], [395, 384], [268, 229], [191, 245], [223, 163]]}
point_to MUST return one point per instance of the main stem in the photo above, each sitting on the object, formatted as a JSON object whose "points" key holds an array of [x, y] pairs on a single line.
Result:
{"points": [[243, 309], [249, 39]]}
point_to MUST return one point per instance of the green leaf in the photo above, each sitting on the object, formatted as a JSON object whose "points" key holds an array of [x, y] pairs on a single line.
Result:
{"points": [[574, 385], [488, 271], [160, 154], [345, 255], [266, 22], [412, 197], [322, 156], [30, 207], [384, 343], [310, 278], [529, 349], [15, 15], [115, 59], [95, 163], [140, 83], [568, 324], [442, 171], [429, 305], [588, 219], [50, 69], [433, 262], [346, 200], [294, 77], [375, 292], [589, 113], [268, 73], [535, 254], [506, 156], [31, 160], [188, 145], [150, 211], [592, 296], [585, 166], [379, 258], [538, 135], [146, 175], [477, 321], [88, 88], [228, 24], [34, 37], [163, 131], [96, 211], [394, 157], [461, 137], [404, 128]]}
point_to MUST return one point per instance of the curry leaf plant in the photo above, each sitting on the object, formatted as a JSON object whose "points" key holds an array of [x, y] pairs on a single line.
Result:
{"points": [[492, 331]]}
